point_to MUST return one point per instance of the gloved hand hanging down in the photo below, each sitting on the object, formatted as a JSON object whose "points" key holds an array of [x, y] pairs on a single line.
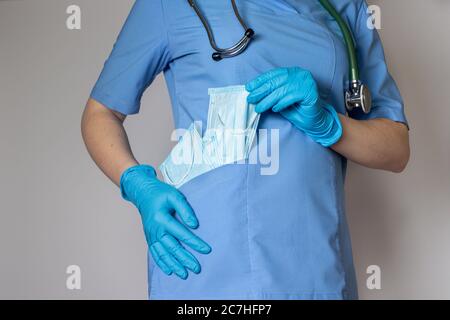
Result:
{"points": [[157, 203], [293, 92]]}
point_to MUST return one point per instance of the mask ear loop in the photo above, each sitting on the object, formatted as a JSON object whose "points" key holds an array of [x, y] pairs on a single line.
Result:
{"points": [[166, 173]]}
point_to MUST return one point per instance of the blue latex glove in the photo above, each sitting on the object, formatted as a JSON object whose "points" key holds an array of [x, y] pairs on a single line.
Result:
{"points": [[157, 203], [293, 92]]}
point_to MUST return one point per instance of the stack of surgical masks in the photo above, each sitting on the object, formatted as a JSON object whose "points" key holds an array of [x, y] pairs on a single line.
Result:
{"points": [[229, 137]]}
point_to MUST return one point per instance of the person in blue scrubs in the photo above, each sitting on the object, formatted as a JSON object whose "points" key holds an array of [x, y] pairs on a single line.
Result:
{"points": [[280, 236]]}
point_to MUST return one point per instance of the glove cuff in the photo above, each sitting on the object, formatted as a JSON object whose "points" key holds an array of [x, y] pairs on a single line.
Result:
{"points": [[134, 177], [336, 130]]}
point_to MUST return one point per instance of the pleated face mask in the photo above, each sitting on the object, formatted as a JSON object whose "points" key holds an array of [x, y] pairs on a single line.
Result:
{"points": [[186, 160], [233, 122], [229, 137]]}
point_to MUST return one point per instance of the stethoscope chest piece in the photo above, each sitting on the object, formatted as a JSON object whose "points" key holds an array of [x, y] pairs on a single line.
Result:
{"points": [[358, 96]]}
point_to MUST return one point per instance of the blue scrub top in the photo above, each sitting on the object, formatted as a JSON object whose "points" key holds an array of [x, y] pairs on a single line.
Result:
{"points": [[281, 236]]}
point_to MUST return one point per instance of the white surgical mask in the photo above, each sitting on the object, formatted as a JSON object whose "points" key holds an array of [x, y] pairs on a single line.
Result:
{"points": [[229, 136], [234, 122], [186, 160]]}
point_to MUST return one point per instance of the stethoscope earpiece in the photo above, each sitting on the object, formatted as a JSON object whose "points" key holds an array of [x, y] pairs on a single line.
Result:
{"points": [[249, 33], [217, 56]]}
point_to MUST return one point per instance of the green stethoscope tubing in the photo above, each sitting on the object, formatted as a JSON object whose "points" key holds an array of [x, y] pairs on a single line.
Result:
{"points": [[348, 38]]}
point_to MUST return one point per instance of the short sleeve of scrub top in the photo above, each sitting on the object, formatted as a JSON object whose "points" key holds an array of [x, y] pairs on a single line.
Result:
{"points": [[386, 99], [139, 55]]}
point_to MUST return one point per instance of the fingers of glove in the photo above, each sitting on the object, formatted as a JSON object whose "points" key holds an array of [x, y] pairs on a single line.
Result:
{"points": [[180, 253], [267, 88], [285, 102], [271, 100], [303, 103], [184, 209], [170, 261], [310, 96], [159, 262], [180, 232], [309, 89], [263, 78], [293, 115], [289, 113]]}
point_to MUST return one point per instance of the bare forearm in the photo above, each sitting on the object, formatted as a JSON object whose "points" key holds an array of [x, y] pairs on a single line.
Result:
{"points": [[106, 140], [379, 143]]}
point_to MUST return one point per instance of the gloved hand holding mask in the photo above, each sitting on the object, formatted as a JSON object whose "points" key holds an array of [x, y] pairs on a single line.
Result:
{"points": [[157, 203], [293, 92]]}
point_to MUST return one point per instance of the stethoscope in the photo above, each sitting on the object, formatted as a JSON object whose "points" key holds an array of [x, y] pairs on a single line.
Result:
{"points": [[356, 96]]}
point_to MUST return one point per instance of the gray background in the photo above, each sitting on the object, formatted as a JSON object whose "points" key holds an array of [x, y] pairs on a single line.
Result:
{"points": [[57, 209]]}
